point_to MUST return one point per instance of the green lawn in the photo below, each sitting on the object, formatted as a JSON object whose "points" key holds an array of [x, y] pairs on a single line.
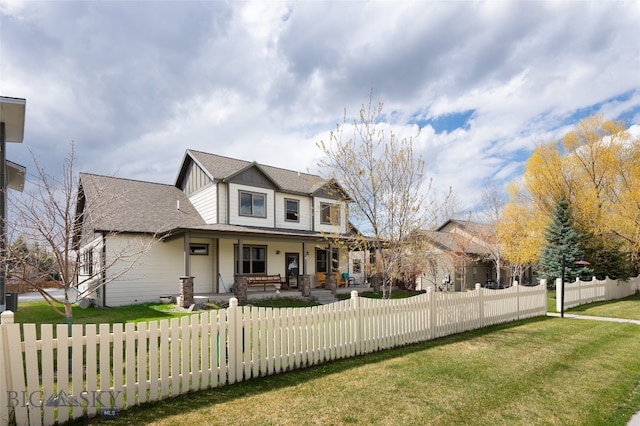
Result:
{"points": [[624, 308], [546, 371], [41, 312]]}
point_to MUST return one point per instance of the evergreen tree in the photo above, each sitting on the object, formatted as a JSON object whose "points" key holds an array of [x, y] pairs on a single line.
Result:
{"points": [[561, 239], [608, 258]]}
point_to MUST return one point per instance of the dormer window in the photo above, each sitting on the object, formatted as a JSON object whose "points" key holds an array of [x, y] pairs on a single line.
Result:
{"points": [[252, 204], [329, 214]]}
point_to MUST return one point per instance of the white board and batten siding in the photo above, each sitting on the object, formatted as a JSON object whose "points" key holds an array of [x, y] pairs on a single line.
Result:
{"points": [[205, 201]]}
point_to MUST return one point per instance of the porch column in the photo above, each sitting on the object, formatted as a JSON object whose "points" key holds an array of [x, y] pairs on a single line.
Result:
{"points": [[187, 254], [331, 282], [186, 292], [240, 287], [305, 285]]}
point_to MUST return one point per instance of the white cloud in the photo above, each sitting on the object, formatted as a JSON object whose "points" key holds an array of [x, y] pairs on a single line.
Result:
{"points": [[134, 84]]}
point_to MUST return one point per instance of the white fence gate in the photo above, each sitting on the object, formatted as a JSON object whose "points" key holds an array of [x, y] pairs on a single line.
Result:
{"points": [[51, 375]]}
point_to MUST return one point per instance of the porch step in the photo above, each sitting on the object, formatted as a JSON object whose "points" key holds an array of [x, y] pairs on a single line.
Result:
{"points": [[324, 297]]}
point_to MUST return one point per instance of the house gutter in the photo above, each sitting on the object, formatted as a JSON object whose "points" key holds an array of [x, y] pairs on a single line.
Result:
{"points": [[103, 285]]}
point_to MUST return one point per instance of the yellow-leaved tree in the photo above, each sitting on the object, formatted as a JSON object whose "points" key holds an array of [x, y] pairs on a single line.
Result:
{"points": [[518, 232], [595, 168]]}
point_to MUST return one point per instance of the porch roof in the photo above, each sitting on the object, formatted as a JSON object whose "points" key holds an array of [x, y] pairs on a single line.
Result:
{"points": [[238, 231]]}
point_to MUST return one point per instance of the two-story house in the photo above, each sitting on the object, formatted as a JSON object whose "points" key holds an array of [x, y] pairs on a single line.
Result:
{"points": [[222, 218]]}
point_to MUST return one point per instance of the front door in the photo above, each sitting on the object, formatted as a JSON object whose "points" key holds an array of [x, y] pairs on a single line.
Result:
{"points": [[293, 268]]}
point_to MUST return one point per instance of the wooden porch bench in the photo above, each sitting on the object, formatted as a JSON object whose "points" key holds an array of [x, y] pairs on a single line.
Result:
{"points": [[263, 280]]}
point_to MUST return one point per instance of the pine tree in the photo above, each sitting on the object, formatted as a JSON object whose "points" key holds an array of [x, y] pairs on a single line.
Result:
{"points": [[561, 239]]}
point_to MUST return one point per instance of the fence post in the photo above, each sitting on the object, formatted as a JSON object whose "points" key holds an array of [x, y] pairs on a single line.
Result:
{"points": [[580, 284], [517, 285], [232, 339], [5, 383], [559, 291], [480, 291], [356, 329], [432, 313]]}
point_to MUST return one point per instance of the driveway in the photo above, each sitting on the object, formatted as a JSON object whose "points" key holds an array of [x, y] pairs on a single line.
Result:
{"points": [[34, 296]]}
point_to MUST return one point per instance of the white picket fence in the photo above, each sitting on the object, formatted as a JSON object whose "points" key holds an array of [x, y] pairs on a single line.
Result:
{"points": [[51, 377], [583, 292]]}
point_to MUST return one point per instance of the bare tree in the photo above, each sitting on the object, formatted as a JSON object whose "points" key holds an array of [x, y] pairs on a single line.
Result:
{"points": [[493, 202], [45, 217], [384, 178]]}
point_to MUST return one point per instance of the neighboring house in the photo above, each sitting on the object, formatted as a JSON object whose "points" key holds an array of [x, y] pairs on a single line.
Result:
{"points": [[223, 217], [460, 256]]}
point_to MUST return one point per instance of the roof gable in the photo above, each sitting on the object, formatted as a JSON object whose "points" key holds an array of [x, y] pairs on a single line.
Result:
{"points": [[222, 169]]}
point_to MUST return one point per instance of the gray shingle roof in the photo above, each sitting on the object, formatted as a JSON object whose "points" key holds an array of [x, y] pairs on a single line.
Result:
{"points": [[221, 168], [126, 205], [455, 243]]}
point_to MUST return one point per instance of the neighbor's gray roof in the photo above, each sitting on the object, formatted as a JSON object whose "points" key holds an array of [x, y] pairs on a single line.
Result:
{"points": [[126, 205], [476, 228], [221, 168], [455, 243]]}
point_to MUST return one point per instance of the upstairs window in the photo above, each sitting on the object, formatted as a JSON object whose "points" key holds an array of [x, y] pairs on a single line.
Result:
{"points": [[329, 214], [252, 204], [292, 210]]}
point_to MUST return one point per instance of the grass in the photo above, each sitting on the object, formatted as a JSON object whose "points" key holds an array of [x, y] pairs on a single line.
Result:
{"points": [[543, 371], [41, 312], [623, 308]]}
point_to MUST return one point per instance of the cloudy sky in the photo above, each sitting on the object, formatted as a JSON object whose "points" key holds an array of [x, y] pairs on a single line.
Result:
{"points": [[135, 83]]}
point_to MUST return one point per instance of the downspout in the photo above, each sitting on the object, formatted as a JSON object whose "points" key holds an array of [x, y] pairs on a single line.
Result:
{"points": [[228, 222], [313, 213], [103, 284], [304, 258], [240, 257], [3, 214], [217, 262]]}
